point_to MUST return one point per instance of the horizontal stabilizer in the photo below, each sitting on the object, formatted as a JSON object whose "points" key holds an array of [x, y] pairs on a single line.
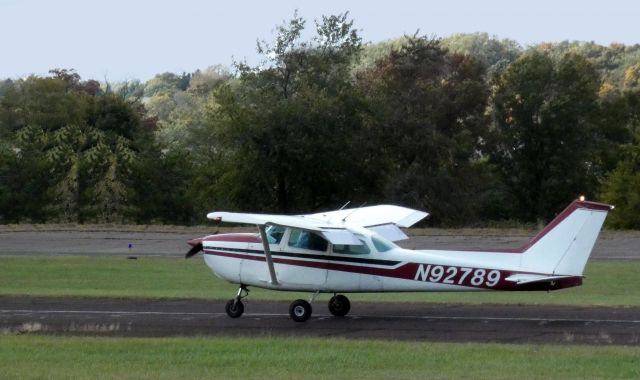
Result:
{"points": [[522, 279]]}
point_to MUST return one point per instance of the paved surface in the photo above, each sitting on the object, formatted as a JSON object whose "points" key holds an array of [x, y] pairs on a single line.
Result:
{"points": [[394, 321], [610, 244]]}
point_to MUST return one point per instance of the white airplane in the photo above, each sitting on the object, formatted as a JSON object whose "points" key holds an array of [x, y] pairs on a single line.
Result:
{"points": [[353, 250]]}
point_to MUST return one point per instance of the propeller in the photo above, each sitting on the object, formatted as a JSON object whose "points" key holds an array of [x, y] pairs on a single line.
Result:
{"points": [[194, 250], [196, 244]]}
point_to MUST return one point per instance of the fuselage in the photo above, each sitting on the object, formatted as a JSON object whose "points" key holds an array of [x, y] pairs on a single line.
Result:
{"points": [[377, 265]]}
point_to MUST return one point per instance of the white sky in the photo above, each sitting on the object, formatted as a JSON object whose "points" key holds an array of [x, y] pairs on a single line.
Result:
{"points": [[118, 39]]}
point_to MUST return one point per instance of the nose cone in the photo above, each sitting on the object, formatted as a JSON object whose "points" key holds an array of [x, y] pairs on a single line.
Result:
{"points": [[194, 242]]}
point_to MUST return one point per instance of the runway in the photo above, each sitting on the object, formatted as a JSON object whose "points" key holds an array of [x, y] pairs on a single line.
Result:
{"points": [[611, 245], [389, 321]]}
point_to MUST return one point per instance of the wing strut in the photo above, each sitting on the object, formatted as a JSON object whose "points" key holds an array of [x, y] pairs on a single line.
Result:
{"points": [[267, 253]]}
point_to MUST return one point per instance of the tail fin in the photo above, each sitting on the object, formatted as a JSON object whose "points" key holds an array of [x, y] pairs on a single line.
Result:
{"points": [[565, 244]]}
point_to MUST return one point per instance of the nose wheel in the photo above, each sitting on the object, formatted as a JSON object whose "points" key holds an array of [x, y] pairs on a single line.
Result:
{"points": [[235, 307], [339, 305]]}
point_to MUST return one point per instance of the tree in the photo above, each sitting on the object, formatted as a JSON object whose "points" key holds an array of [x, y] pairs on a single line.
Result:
{"points": [[545, 132], [428, 125], [620, 188], [494, 54], [295, 124], [70, 149], [166, 83], [24, 173]]}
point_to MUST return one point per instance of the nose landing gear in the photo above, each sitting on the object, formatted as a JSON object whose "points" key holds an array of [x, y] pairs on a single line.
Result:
{"points": [[235, 307]]}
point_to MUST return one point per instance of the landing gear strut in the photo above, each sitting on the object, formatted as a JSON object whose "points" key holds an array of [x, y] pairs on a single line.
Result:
{"points": [[235, 307], [339, 305]]}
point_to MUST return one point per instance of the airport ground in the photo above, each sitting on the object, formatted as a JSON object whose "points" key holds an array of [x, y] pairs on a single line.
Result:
{"points": [[31, 321]]}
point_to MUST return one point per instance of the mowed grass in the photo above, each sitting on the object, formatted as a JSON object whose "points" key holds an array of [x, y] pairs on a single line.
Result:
{"points": [[26, 357], [607, 283]]}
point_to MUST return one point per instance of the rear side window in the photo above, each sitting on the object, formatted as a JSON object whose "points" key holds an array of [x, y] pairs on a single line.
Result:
{"points": [[307, 240], [380, 245]]}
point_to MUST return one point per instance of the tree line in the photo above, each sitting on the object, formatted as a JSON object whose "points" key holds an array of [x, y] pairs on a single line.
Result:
{"points": [[471, 128]]}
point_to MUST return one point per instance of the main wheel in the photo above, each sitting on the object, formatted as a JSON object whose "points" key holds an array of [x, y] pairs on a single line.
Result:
{"points": [[234, 308], [300, 310], [339, 305]]}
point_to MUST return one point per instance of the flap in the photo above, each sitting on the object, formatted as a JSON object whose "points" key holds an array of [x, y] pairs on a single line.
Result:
{"points": [[389, 231]]}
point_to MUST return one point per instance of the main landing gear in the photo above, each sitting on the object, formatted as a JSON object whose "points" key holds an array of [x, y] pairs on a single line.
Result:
{"points": [[339, 305], [299, 310]]}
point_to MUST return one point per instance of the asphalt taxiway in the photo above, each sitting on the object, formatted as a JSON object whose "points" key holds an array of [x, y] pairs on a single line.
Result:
{"points": [[611, 245], [389, 321]]}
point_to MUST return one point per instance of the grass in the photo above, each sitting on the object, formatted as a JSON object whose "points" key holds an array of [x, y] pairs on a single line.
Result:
{"points": [[608, 283], [27, 357]]}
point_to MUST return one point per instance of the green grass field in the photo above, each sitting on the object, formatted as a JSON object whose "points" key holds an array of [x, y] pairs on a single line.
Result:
{"points": [[608, 283], [32, 356], [27, 357]]}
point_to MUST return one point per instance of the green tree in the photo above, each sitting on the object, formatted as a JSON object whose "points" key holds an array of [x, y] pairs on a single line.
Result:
{"points": [[620, 188], [24, 173], [546, 131], [428, 124], [294, 124], [494, 54], [71, 147], [166, 83]]}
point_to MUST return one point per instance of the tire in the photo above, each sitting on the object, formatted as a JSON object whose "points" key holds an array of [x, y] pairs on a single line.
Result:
{"points": [[234, 308], [300, 310], [339, 305]]}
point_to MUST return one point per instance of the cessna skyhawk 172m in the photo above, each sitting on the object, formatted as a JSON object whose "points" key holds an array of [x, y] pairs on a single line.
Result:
{"points": [[352, 250]]}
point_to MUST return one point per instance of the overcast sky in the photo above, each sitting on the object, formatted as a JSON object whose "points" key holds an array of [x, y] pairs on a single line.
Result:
{"points": [[136, 39]]}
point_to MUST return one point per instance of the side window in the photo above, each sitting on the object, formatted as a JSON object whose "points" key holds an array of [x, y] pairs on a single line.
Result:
{"points": [[307, 240], [352, 249], [380, 245], [274, 234]]}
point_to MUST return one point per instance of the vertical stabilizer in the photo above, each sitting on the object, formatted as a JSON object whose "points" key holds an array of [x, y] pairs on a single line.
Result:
{"points": [[564, 245]]}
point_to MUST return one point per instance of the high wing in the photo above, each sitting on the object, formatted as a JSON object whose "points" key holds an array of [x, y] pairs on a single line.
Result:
{"points": [[373, 216], [299, 221], [333, 225]]}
